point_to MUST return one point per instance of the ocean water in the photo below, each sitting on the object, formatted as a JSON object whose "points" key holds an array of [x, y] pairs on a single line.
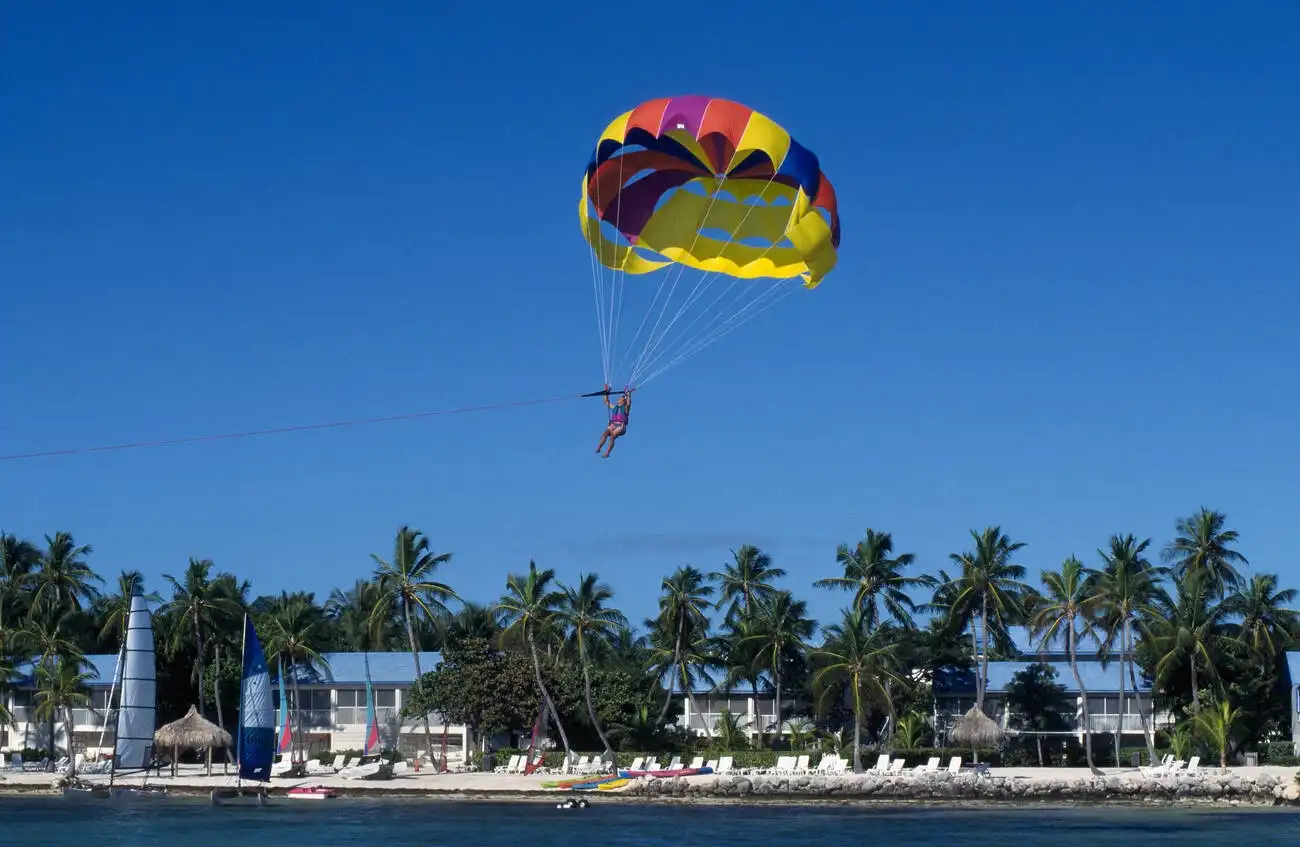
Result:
{"points": [[335, 823]]}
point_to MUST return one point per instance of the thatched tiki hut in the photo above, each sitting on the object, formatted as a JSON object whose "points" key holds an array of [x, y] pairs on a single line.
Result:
{"points": [[192, 732], [976, 729]]}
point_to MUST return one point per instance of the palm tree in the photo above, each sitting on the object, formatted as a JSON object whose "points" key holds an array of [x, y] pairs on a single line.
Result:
{"points": [[294, 638], [875, 576], [60, 688], [8, 673], [684, 624], [783, 629], [1268, 626], [62, 580], [473, 620], [986, 595], [407, 586], [530, 604], [746, 580], [1123, 590], [18, 559], [590, 622], [115, 609], [195, 608], [1218, 726], [1203, 546], [353, 613], [46, 640], [1064, 607], [1185, 630], [860, 658]]}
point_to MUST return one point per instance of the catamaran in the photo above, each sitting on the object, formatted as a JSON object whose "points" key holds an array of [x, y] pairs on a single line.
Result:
{"points": [[136, 715], [256, 740]]}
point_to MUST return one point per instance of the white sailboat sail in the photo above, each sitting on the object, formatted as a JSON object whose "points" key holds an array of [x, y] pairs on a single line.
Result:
{"points": [[136, 718]]}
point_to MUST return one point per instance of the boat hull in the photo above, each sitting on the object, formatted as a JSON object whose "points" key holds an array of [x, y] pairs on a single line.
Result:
{"points": [[666, 774]]}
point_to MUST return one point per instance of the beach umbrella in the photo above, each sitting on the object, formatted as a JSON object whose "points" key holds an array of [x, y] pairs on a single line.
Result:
{"points": [[976, 729], [192, 732]]}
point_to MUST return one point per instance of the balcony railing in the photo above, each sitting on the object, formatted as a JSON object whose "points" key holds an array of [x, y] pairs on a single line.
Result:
{"points": [[700, 720]]}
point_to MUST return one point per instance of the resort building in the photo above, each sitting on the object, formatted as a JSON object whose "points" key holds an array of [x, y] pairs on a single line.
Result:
{"points": [[331, 717], [754, 711], [954, 693], [1293, 684]]}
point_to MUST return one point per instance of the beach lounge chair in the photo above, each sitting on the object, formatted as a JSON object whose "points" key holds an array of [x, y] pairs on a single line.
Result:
{"points": [[652, 764], [838, 766], [509, 767], [724, 765], [882, 764], [1160, 769], [1193, 766], [696, 763], [712, 764], [636, 763], [954, 766], [675, 764], [929, 767], [802, 766], [896, 766]]}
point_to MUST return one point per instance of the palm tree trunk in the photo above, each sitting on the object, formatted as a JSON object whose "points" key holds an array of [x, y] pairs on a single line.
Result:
{"points": [[776, 678], [984, 653], [216, 683], [198, 663], [591, 704], [1039, 738], [857, 728], [72, 757], [975, 660], [546, 695], [295, 749], [1147, 735], [1196, 698], [695, 710], [415, 655], [677, 659], [1123, 701], [1083, 693]]}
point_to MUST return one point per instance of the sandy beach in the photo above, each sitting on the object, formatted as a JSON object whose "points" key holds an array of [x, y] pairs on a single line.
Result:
{"points": [[1119, 784]]}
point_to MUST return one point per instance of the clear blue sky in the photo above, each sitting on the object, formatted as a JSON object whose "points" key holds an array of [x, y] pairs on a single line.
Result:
{"points": [[1066, 299]]}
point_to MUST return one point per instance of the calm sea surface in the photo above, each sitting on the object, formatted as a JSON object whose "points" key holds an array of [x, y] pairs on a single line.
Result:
{"points": [[333, 823]]}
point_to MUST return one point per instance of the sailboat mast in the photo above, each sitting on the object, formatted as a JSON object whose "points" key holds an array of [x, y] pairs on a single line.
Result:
{"points": [[108, 711], [239, 741]]}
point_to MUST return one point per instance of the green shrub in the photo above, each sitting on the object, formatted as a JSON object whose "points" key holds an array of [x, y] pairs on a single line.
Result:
{"points": [[1278, 753]]}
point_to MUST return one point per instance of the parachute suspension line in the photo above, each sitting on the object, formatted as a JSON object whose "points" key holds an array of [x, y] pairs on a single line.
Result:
{"points": [[616, 293], [784, 286], [680, 269], [655, 353], [598, 283]]}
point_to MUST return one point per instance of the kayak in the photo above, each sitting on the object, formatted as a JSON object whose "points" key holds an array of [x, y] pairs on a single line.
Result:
{"points": [[666, 774]]}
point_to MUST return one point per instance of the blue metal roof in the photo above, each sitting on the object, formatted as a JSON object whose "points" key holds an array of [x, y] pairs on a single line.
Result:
{"points": [[1096, 679], [1026, 645], [342, 669], [350, 669], [101, 671]]}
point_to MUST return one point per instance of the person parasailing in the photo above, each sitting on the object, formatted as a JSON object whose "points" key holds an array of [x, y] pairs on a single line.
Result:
{"points": [[619, 411]]}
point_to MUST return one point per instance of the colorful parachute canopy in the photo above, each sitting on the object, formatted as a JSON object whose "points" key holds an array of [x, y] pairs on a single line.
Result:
{"points": [[675, 173]]}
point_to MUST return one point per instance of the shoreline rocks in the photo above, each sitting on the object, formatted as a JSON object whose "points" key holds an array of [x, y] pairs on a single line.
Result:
{"points": [[1223, 789]]}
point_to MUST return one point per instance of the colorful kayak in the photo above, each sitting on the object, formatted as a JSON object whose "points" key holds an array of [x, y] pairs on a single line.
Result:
{"points": [[584, 783], [613, 784], [666, 774]]}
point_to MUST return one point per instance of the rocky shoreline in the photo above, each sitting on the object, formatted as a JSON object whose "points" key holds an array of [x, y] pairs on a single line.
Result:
{"points": [[1224, 789], [1254, 787]]}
